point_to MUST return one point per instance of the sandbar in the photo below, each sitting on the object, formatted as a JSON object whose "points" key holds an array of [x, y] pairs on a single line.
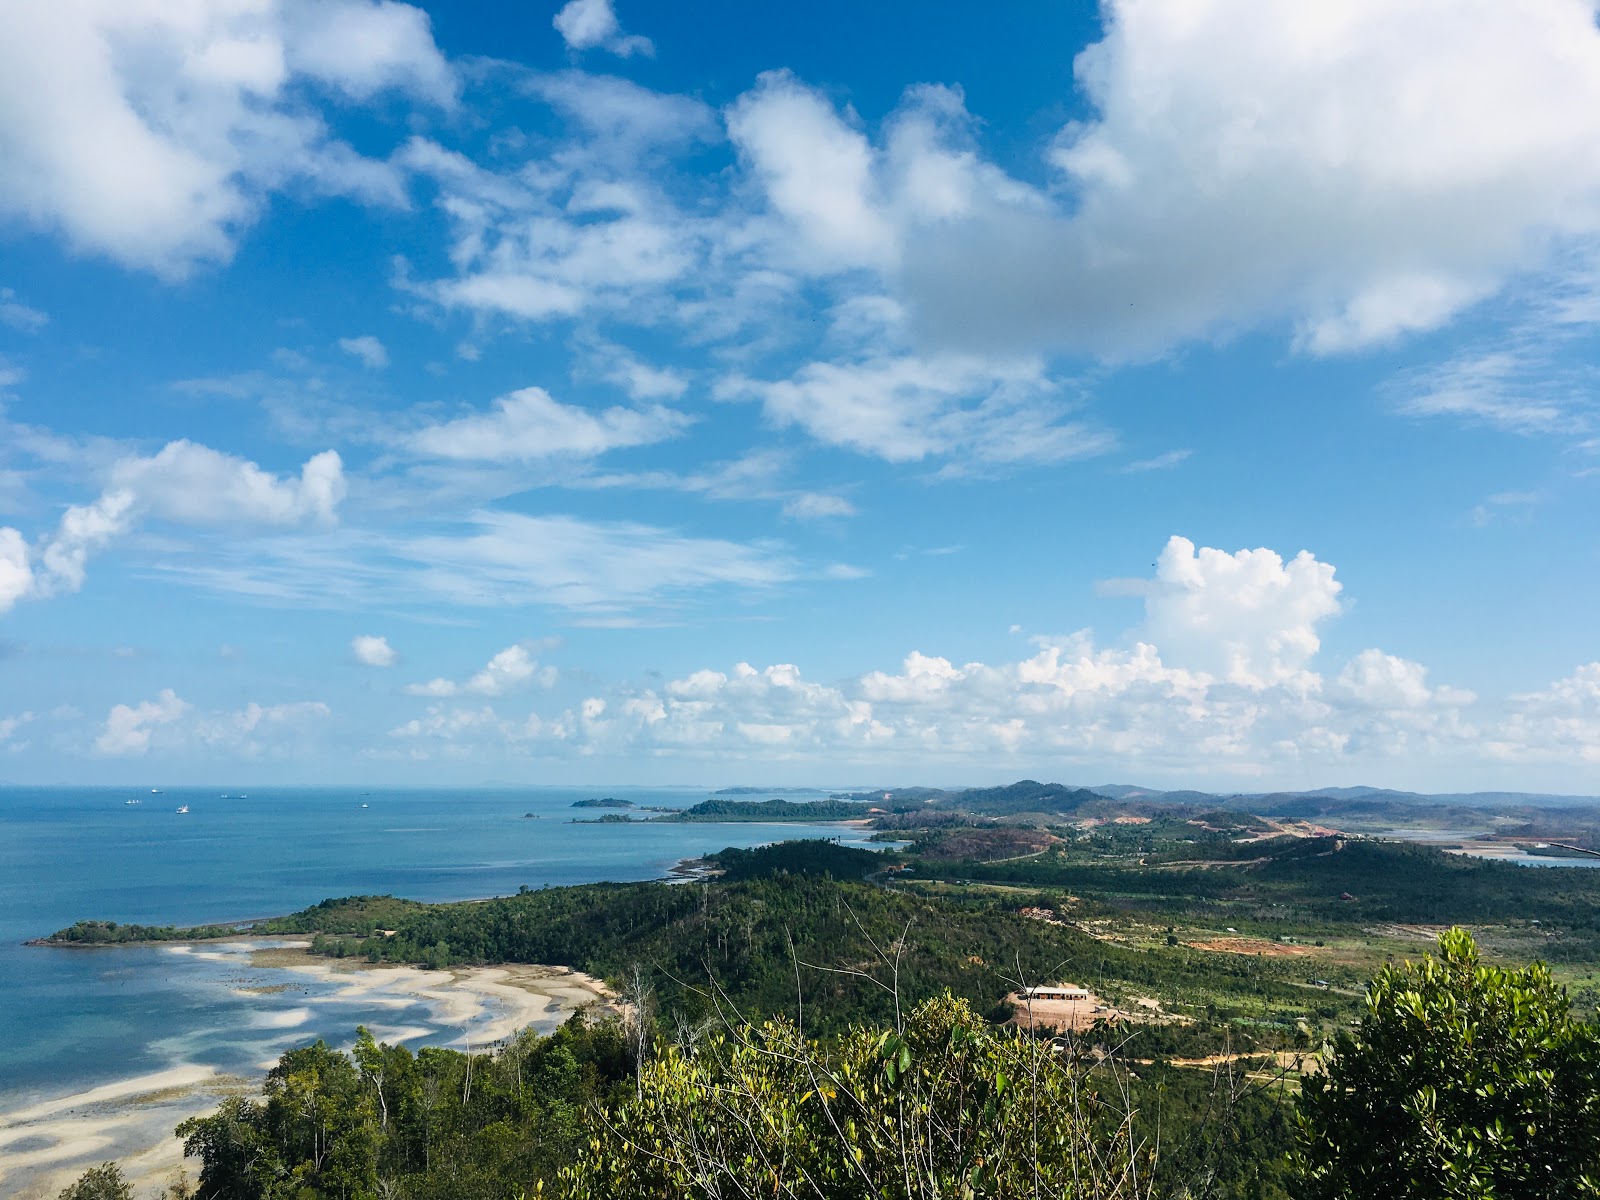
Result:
{"points": [[49, 1142]]}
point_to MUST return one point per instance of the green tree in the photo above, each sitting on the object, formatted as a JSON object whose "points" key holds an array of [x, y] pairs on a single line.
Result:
{"points": [[104, 1182], [945, 1106], [1461, 1080]]}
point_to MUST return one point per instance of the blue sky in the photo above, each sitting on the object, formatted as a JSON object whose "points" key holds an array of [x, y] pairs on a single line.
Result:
{"points": [[1195, 392]]}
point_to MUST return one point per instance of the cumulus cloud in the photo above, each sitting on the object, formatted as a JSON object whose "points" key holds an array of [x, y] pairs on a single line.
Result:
{"points": [[153, 133], [196, 485], [592, 24], [815, 169], [510, 669], [170, 723], [129, 728], [530, 424], [1357, 174], [185, 483], [367, 348], [259, 728], [1560, 722], [373, 651], [1248, 617], [1247, 705], [1071, 702], [1070, 698], [16, 572]]}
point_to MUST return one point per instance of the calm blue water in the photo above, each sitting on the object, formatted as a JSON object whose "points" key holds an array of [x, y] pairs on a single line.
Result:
{"points": [[72, 1019]]}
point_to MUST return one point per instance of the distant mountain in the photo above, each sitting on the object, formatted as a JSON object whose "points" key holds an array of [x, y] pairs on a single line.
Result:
{"points": [[1359, 793], [1125, 791], [1024, 796], [1361, 805]]}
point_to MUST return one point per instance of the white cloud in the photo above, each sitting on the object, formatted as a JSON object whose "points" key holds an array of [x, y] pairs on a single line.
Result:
{"points": [[1513, 506], [507, 671], [170, 723], [1161, 462], [641, 380], [1503, 388], [373, 651], [1074, 704], [602, 571], [19, 315], [604, 566], [185, 483], [592, 24], [1357, 172], [594, 223], [529, 424], [1247, 617], [363, 48], [16, 573], [257, 728], [1070, 703], [129, 728], [908, 408], [153, 132], [1368, 169], [814, 506], [367, 348], [1559, 723], [196, 485], [816, 171]]}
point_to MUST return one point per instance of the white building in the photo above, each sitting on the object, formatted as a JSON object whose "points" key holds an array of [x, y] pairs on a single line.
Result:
{"points": [[1057, 991]]}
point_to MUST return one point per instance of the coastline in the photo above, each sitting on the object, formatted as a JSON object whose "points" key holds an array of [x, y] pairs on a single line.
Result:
{"points": [[47, 1143], [48, 1140]]}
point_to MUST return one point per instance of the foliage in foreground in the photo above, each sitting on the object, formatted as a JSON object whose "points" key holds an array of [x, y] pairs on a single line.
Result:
{"points": [[1460, 1081], [945, 1106], [437, 1125], [104, 1182]]}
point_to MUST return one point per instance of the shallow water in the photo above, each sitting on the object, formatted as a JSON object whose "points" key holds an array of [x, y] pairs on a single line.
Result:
{"points": [[73, 1019]]}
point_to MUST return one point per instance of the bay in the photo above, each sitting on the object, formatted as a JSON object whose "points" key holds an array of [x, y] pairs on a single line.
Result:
{"points": [[74, 1019]]}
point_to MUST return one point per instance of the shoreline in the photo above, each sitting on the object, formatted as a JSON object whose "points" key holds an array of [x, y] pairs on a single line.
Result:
{"points": [[49, 1141]]}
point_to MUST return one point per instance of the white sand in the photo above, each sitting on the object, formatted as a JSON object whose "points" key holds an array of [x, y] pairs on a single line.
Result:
{"points": [[45, 1146], [49, 1143]]}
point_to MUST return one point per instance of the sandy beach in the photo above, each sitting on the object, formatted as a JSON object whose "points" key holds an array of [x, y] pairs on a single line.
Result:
{"points": [[45, 1145]]}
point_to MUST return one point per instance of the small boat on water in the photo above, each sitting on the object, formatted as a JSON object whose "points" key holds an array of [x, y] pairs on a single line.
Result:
{"points": [[133, 801], [155, 791], [183, 808], [366, 806]]}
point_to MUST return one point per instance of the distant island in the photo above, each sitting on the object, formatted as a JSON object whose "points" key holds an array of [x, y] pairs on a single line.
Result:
{"points": [[768, 791], [769, 810], [604, 802]]}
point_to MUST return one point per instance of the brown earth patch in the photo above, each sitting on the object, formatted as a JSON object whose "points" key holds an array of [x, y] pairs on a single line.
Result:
{"points": [[990, 845], [1247, 945]]}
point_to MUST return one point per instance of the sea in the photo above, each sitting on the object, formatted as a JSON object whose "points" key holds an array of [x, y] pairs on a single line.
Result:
{"points": [[72, 1020]]}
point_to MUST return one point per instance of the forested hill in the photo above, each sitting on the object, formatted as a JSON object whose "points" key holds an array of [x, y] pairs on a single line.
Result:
{"points": [[347, 915], [1024, 796], [721, 811]]}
